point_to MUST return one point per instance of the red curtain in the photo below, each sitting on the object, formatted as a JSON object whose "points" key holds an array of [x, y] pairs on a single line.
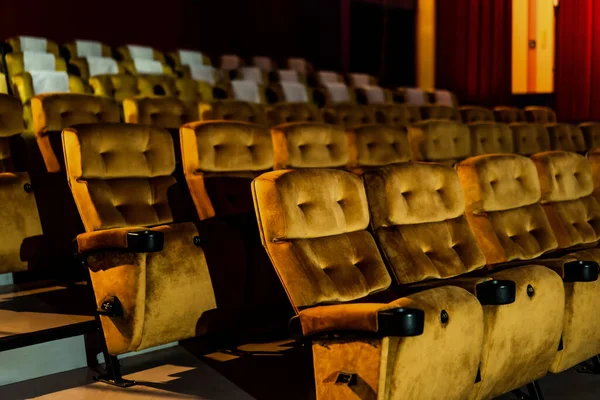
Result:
{"points": [[473, 50], [577, 65]]}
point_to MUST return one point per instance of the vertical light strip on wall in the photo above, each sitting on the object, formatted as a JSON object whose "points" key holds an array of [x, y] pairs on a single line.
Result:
{"points": [[532, 51], [426, 44]]}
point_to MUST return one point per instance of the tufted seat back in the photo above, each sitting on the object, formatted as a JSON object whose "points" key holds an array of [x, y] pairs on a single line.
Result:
{"points": [[529, 138], [232, 110], [118, 182], [11, 126], [437, 111], [490, 138], [129, 52], [84, 48], [54, 112], [566, 186], [509, 115], [283, 113], [566, 137], [440, 141], [591, 134], [396, 114], [417, 217], [164, 112], [309, 145], [313, 224], [593, 157], [23, 43], [220, 159], [471, 114], [502, 194], [117, 87], [374, 145], [540, 115], [348, 115], [149, 85]]}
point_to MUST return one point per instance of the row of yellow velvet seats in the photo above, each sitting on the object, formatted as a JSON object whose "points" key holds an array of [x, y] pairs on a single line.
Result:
{"points": [[120, 176], [411, 242]]}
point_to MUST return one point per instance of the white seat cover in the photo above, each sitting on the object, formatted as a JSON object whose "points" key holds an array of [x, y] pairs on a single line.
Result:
{"points": [[444, 98], [415, 96], [229, 62], [143, 52], [263, 63], [294, 92], [252, 74], [145, 66], [88, 48], [359, 80], [32, 43], [297, 64], [191, 57], [246, 91], [34, 61], [326, 77], [204, 73], [102, 65], [375, 94], [49, 82], [288, 75], [338, 92]]}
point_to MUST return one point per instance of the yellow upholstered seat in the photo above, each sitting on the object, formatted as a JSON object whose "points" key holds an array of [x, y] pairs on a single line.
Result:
{"points": [[290, 92], [130, 52], [126, 185], [512, 207], [436, 111], [566, 137], [264, 63], [348, 115], [396, 114], [509, 115], [529, 138], [313, 224], [440, 141], [86, 48], [184, 61], [19, 44], [591, 134], [490, 138], [475, 114], [309, 145], [283, 113], [540, 115], [300, 65], [230, 62], [86, 67], [375, 145], [358, 80], [412, 96], [417, 216], [232, 110], [117, 87], [443, 97], [146, 67]]}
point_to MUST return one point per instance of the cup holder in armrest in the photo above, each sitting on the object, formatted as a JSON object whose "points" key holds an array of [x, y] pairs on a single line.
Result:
{"points": [[145, 241], [580, 271], [496, 292]]}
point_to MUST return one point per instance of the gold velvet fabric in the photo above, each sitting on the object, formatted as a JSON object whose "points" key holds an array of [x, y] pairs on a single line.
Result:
{"points": [[149, 84], [348, 115], [54, 112], [117, 182], [232, 110], [15, 64], [529, 138], [230, 148], [593, 157], [396, 114], [161, 111], [118, 86], [566, 187], [164, 295], [419, 367], [566, 137], [313, 223], [11, 117], [283, 113], [471, 114], [71, 49], [15, 44], [437, 111], [374, 145], [417, 216], [309, 145], [189, 90], [84, 70], [509, 115], [540, 115], [439, 140], [502, 194], [591, 133], [490, 138], [123, 53]]}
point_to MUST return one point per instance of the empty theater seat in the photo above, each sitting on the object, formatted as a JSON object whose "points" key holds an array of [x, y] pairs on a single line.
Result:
{"points": [[518, 220], [508, 115], [348, 115], [593, 157], [193, 91], [475, 114], [358, 80], [335, 93], [490, 138], [232, 110], [436, 111], [130, 52], [243, 90], [291, 92], [21, 229], [19, 44], [300, 65], [417, 216], [373, 94], [117, 87], [230, 62], [539, 114], [85, 48], [264, 63], [123, 190], [396, 114], [591, 134], [288, 75], [309, 145], [566, 137], [190, 63], [313, 224], [529, 138], [412, 96], [375, 145], [86, 67], [440, 141], [143, 66], [444, 98], [283, 113]]}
